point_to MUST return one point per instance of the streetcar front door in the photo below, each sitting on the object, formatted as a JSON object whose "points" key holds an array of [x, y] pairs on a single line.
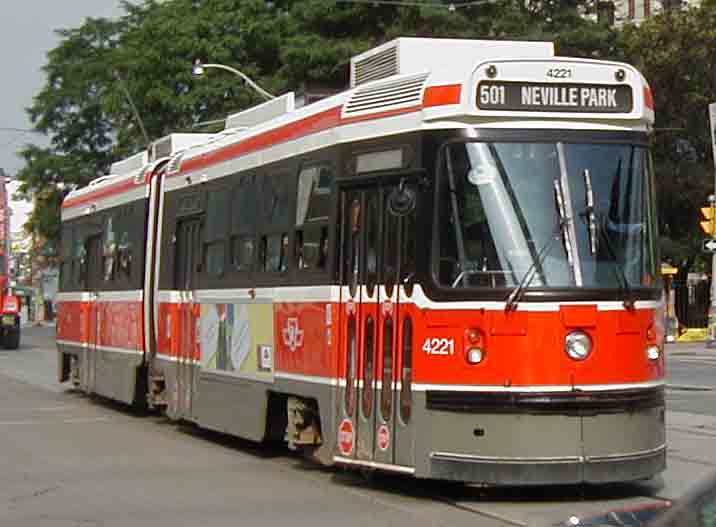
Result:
{"points": [[187, 268], [373, 264]]}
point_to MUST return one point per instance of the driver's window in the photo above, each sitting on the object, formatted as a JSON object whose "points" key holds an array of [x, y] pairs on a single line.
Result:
{"points": [[462, 217]]}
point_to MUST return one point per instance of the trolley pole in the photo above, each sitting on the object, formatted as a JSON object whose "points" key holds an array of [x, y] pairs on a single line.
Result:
{"points": [[711, 341]]}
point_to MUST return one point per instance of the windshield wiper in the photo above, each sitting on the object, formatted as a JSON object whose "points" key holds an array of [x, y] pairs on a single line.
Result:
{"points": [[618, 272], [517, 292], [595, 224], [561, 230], [589, 211]]}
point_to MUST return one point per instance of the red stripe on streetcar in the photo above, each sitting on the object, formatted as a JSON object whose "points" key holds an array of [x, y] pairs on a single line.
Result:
{"points": [[442, 95], [310, 125], [434, 96], [648, 98], [381, 115], [103, 193]]}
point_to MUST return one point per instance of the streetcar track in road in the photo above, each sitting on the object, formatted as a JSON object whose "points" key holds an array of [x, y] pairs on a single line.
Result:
{"points": [[694, 461], [701, 432], [373, 493], [39, 409], [475, 510], [79, 420]]}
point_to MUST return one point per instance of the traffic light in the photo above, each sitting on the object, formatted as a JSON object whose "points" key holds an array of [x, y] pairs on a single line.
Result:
{"points": [[709, 226]]}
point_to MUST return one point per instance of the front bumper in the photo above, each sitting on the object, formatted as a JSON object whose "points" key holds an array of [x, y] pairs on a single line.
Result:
{"points": [[547, 471]]}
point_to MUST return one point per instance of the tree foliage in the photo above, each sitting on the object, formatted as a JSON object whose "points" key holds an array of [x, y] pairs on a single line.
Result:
{"points": [[99, 69], [674, 50]]}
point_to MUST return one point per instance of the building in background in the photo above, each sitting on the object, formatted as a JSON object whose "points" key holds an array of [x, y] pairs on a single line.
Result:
{"points": [[620, 12]]}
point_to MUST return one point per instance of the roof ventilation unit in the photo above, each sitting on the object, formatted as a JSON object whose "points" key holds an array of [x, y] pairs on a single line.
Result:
{"points": [[262, 113], [130, 164], [391, 94], [410, 55], [375, 64], [170, 144]]}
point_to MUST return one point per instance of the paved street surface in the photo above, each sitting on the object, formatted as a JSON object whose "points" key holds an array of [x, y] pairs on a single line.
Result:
{"points": [[71, 460]]}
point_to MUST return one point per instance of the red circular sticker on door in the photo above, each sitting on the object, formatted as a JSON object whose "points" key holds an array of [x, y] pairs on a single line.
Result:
{"points": [[383, 437], [345, 437]]}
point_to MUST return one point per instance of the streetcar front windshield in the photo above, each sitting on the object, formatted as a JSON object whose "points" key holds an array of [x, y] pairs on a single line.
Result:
{"points": [[547, 215]]}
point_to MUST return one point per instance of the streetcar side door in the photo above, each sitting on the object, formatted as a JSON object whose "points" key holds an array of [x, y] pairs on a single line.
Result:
{"points": [[188, 266], [396, 251], [372, 360], [353, 441]]}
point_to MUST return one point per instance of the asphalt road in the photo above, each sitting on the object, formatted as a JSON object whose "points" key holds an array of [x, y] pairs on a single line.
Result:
{"points": [[72, 460]]}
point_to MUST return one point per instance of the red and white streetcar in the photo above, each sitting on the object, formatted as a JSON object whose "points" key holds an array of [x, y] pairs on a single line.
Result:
{"points": [[448, 270]]}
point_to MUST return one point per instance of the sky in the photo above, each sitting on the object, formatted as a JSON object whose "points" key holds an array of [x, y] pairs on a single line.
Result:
{"points": [[27, 33]]}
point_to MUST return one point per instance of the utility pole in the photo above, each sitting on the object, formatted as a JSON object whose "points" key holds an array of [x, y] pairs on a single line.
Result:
{"points": [[711, 342]]}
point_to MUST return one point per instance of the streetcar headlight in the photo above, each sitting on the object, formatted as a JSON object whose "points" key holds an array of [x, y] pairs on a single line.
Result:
{"points": [[653, 352], [474, 356], [578, 345]]}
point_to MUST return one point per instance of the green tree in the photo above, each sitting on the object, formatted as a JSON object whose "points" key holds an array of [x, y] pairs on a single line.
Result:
{"points": [[101, 69], [70, 110], [674, 50]]}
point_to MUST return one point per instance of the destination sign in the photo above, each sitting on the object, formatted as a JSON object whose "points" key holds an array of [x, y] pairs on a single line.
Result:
{"points": [[554, 97]]}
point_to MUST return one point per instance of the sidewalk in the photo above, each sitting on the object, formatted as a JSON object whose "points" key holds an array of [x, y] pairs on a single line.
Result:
{"points": [[43, 323], [687, 347]]}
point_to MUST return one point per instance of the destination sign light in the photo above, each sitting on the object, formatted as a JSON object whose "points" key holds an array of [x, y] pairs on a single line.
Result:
{"points": [[554, 97]]}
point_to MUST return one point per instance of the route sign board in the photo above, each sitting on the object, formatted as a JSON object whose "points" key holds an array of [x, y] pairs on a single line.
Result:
{"points": [[709, 245]]}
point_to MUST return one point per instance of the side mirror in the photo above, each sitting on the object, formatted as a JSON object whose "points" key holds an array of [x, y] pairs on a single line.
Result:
{"points": [[401, 200]]}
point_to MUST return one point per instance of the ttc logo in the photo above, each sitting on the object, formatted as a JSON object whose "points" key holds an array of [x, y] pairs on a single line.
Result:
{"points": [[292, 334]]}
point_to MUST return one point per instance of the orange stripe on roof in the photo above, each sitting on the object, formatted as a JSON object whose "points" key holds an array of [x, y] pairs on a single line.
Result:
{"points": [[442, 95], [101, 193]]}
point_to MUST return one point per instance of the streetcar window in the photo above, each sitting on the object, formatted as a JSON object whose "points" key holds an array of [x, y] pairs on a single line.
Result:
{"points": [[314, 193], [274, 252], [380, 160], [389, 263], [312, 247], [353, 245], [275, 196], [66, 258], [368, 365], [406, 396], [124, 253], [215, 258], [79, 257], [408, 256], [504, 213], [217, 227], [312, 213], [242, 253], [109, 248], [351, 360], [372, 225], [386, 394], [244, 206], [217, 214]]}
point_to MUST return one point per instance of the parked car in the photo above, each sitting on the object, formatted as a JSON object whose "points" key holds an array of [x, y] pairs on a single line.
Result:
{"points": [[696, 509]]}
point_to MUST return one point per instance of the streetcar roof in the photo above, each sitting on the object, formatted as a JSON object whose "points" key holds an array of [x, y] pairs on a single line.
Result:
{"points": [[405, 85]]}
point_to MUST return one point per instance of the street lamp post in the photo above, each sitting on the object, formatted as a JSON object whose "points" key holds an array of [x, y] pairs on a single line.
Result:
{"points": [[199, 68]]}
